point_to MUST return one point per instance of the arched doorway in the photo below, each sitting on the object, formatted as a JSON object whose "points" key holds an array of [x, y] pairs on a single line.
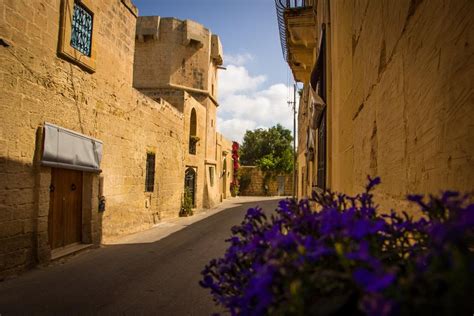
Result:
{"points": [[190, 183]]}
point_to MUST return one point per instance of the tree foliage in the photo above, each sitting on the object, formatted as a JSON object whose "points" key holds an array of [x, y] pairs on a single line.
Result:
{"points": [[269, 149]]}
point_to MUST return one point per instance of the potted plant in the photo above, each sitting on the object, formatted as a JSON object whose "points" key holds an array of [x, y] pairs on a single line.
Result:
{"points": [[234, 188], [194, 138], [186, 204]]}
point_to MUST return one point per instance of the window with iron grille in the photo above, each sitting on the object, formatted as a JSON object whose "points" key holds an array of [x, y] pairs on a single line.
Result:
{"points": [[150, 172], [81, 29]]}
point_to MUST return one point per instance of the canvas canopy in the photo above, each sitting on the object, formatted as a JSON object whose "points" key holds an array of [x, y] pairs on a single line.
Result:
{"points": [[67, 149]]}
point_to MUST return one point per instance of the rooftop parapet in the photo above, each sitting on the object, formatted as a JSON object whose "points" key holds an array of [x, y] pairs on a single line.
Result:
{"points": [[194, 34], [148, 26], [216, 50]]}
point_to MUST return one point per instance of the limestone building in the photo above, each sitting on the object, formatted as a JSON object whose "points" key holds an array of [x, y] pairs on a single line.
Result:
{"points": [[178, 61], [225, 164], [84, 156], [387, 92]]}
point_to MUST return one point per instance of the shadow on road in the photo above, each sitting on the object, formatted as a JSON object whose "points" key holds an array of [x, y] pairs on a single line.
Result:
{"points": [[159, 278]]}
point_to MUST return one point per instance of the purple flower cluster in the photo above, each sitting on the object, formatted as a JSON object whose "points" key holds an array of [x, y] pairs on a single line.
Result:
{"points": [[337, 255]]}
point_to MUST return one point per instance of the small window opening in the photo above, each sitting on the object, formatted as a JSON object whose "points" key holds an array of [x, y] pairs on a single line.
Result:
{"points": [[211, 176], [193, 139], [150, 172]]}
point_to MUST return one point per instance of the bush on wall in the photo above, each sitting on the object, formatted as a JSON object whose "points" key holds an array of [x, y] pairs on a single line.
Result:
{"points": [[244, 180]]}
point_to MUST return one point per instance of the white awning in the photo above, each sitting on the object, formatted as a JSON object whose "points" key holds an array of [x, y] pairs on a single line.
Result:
{"points": [[67, 149]]}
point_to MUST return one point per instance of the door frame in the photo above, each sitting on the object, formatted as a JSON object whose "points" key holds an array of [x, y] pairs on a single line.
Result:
{"points": [[91, 218]]}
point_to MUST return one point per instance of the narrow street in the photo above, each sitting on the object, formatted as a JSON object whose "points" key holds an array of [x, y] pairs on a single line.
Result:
{"points": [[159, 278]]}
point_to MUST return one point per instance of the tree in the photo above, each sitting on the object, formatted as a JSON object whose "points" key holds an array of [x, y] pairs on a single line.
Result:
{"points": [[269, 149]]}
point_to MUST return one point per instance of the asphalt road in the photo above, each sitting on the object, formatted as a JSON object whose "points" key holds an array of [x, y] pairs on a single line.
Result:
{"points": [[159, 278]]}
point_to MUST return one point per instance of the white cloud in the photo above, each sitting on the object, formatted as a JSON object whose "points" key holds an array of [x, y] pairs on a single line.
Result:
{"points": [[234, 128], [238, 59], [245, 104], [237, 79]]}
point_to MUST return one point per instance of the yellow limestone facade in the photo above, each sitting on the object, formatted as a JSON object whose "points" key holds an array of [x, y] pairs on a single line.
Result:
{"points": [[45, 79], [396, 81], [178, 61], [225, 164]]}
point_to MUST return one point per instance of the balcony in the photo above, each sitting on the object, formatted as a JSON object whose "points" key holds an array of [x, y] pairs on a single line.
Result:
{"points": [[298, 35]]}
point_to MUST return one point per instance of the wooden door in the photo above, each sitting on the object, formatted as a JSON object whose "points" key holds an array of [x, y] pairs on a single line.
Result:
{"points": [[65, 212]]}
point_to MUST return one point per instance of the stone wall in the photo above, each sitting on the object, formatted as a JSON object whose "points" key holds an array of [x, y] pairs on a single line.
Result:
{"points": [[196, 161], [225, 166], [177, 61], [37, 86], [256, 186], [401, 95], [177, 54], [169, 55], [306, 165]]}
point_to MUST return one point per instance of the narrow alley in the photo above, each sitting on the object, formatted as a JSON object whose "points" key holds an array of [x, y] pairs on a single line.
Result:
{"points": [[137, 136], [152, 278]]}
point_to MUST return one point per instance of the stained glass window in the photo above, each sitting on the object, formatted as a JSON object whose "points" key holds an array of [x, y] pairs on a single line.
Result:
{"points": [[81, 30]]}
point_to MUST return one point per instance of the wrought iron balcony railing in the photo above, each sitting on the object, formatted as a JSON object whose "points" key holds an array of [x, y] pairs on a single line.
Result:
{"points": [[281, 7]]}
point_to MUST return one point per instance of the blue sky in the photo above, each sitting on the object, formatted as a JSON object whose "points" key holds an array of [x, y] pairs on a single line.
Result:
{"points": [[253, 91]]}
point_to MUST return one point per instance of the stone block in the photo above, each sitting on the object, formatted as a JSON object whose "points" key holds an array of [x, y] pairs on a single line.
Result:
{"points": [[11, 228], [15, 20], [16, 258], [148, 26], [15, 243], [5, 213]]}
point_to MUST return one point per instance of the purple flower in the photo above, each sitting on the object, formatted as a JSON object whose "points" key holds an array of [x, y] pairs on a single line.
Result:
{"points": [[346, 236], [373, 182], [378, 305], [258, 293], [254, 213], [363, 255], [466, 217], [373, 281], [330, 221], [448, 195], [415, 198]]}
